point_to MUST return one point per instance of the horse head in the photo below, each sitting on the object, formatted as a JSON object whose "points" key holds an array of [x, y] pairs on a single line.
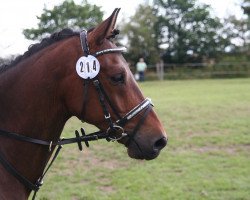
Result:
{"points": [[145, 135]]}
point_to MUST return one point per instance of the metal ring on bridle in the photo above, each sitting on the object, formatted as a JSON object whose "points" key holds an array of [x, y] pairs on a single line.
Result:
{"points": [[115, 133]]}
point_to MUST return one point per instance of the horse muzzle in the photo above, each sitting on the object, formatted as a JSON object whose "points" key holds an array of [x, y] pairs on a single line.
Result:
{"points": [[139, 148]]}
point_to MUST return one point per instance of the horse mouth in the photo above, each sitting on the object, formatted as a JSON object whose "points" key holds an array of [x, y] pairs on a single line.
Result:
{"points": [[137, 150], [135, 154]]}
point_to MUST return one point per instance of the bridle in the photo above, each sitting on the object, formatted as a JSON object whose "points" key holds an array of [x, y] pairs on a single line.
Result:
{"points": [[114, 132]]}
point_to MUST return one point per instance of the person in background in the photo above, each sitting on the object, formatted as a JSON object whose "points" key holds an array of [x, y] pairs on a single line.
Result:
{"points": [[141, 67]]}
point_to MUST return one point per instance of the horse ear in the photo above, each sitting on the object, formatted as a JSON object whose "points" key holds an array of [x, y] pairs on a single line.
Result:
{"points": [[105, 29]]}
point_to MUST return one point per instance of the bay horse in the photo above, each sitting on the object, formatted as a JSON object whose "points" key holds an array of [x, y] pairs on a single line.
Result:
{"points": [[80, 74]]}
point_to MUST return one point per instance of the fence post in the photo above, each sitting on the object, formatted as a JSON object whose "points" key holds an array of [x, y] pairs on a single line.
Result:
{"points": [[160, 70]]}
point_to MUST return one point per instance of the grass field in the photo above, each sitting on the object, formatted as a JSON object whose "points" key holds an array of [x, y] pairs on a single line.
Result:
{"points": [[207, 157]]}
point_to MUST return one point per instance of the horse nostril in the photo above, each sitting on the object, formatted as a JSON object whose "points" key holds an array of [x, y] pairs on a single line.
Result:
{"points": [[160, 144]]}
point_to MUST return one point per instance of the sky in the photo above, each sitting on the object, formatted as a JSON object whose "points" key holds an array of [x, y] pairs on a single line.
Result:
{"points": [[17, 15]]}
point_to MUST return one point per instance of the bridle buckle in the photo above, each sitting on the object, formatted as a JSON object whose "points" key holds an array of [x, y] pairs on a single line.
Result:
{"points": [[115, 133], [107, 116]]}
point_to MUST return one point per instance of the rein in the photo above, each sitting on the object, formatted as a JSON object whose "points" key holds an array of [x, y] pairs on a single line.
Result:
{"points": [[114, 132]]}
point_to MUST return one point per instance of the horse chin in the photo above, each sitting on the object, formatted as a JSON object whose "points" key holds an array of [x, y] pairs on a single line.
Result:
{"points": [[135, 154], [135, 151]]}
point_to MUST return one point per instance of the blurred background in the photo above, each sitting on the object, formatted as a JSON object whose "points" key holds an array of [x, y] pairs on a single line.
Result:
{"points": [[191, 38]]}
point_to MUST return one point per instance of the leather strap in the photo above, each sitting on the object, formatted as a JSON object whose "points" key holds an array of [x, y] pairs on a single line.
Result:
{"points": [[109, 101], [16, 174], [84, 42], [102, 103], [113, 50], [139, 124], [23, 138]]}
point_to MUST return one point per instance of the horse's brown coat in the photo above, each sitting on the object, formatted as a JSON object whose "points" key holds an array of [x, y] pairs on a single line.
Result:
{"points": [[42, 91]]}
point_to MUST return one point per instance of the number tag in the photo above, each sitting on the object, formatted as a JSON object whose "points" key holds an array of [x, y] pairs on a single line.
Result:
{"points": [[87, 67]]}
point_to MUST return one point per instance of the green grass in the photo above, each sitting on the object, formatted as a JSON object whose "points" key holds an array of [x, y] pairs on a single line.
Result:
{"points": [[208, 155]]}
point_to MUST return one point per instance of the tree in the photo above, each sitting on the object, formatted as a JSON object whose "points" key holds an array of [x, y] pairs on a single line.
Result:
{"points": [[141, 35], [189, 31], [66, 15], [246, 7], [240, 33]]}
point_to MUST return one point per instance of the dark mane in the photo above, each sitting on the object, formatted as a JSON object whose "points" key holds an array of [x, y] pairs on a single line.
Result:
{"points": [[55, 37]]}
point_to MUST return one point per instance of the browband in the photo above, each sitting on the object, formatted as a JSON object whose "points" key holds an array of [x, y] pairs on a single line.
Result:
{"points": [[85, 47]]}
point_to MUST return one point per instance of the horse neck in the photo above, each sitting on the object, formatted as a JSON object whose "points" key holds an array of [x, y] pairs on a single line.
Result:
{"points": [[31, 93], [31, 104]]}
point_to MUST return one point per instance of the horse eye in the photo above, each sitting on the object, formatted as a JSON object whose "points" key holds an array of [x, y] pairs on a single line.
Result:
{"points": [[118, 79]]}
